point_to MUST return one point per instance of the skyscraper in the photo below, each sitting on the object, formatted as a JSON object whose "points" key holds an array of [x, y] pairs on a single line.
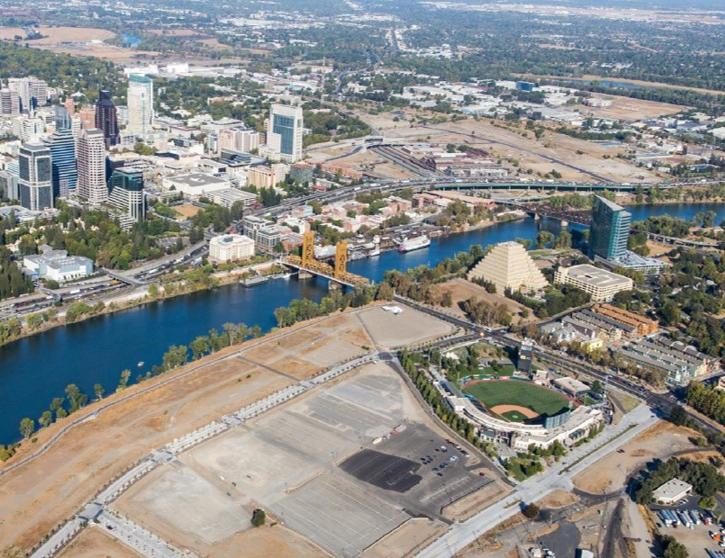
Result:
{"points": [[127, 193], [106, 119], [284, 132], [33, 92], [609, 231], [63, 151], [140, 101], [35, 188], [92, 167]]}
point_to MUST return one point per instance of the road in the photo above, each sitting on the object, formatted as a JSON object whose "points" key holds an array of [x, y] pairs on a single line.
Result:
{"points": [[559, 476]]}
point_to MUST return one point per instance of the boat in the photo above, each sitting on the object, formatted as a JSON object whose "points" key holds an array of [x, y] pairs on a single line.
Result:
{"points": [[414, 243], [140, 363], [254, 280], [374, 252]]}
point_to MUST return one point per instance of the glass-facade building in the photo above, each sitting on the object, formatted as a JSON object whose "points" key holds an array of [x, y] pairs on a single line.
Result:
{"points": [[107, 118], [35, 188], [609, 230], [285, 127], [127, 193], [63, 153]]}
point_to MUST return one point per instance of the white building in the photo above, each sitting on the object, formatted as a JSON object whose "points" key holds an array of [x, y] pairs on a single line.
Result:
{"points": [[92, 167], [230, 247], [509, 266], [140, 101], [230, 196], [243, 140], [285, 127], [195, 185], [601, 284], [58, 266], [671, 492]]}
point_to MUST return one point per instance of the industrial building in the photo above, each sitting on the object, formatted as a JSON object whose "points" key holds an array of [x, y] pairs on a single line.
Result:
{"points": [[599, 283], [671, 492]]}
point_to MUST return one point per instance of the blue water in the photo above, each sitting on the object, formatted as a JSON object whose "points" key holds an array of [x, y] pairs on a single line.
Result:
{"points": [[684, 211], [131, 41], [36, 369]]}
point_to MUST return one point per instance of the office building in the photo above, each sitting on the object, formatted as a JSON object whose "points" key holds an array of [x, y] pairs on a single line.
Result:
{"points": [[262, 176], [284, 132], [62, 146], [609, 230], [228, 197], [35, 187], [127, 193], [140, 103], [671, 492], [9, 103], [8, 185], [92, 167], [32, 92], [599, 283], [230, 247], [196, 184], [268, 239], [242, 140], [106, 118], [509, 267], [251, 224]]}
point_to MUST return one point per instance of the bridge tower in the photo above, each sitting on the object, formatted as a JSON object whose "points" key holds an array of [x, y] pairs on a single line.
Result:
{"points": [[308, 248], [340, 259]]}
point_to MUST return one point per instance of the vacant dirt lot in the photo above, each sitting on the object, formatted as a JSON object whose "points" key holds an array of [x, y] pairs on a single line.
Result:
{"points": [[462, 290], [610, 474], [57, 35], [94, 543], [44, 492]]}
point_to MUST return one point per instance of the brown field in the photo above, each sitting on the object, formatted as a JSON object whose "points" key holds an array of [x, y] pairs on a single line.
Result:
{"points": [[94, 543], [501, 409], [629, 110], [186, 210], [48, 490], [658, 442], [462, 289]]}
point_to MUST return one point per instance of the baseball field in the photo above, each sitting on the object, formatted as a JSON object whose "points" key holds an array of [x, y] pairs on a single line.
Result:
{"points": [[517, 400]]}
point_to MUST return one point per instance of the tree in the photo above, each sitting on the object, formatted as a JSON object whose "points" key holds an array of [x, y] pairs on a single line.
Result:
{"points": [[671, 313], [258, 517], [199, 347], [563, 241], [76, 398], [531, 511], [98, 391], [175, 356], [45, 419], [543, 239], [123, 382], [673, 549], [27, 427]]}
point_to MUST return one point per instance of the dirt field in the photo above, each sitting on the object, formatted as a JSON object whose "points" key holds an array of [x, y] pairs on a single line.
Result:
{"points": [[79, 41], [525, 411], [186, 210], [630, 110], [94, 543], [161, 410], [461, 290], [610, 474]]}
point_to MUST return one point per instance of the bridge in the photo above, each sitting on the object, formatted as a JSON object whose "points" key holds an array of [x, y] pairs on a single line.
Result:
{"points": [[673, 241], [336, 274]]}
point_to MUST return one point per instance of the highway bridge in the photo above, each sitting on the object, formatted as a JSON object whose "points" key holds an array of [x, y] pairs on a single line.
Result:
{"points": [[679, 241]]}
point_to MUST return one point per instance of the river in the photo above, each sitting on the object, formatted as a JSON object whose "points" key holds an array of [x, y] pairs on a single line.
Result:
{"points": [[36, 369]]}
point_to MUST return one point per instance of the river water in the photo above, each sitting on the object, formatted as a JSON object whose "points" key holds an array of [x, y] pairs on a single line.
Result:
{"points": [[36, 369]]}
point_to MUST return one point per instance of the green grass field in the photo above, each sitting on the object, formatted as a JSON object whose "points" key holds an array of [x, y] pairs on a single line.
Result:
{"points": [[514, 416], [513, 392]]}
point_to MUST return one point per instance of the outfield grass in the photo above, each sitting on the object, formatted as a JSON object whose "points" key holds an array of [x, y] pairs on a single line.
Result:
{"points": [[515, 416], [513, 392]]}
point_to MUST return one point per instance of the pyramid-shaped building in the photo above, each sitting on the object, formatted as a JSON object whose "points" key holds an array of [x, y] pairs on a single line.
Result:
{"points": [[509, 266]]}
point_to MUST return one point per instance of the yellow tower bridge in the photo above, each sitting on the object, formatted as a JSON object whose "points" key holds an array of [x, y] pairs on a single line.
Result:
{"points": [[337, 273]]}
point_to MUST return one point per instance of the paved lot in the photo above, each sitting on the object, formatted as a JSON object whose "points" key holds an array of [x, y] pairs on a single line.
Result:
{"points": [[388, 472]]}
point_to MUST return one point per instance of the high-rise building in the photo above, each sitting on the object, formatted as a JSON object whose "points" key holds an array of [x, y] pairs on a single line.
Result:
{"points": [[62, 117], [284, 132], [38, 90], [127, 193], [140, 102], [9, 103], [87, 117], [8, 185], [609, 230], [92, 167], [22, 88], [33, 92], [242, 140], [63, 151], [35, 188], [106, 118]]}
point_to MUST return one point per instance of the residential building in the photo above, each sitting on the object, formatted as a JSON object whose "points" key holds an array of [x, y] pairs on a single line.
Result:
{"points": [[106, 118], [509, 267], [671, 492], [31, 92], [127, 193], [599, 283], [57, 265], [8, 185], [609, 230], [285, 127], [63, 151], [92, 167], [642, 325], [263, 176], [679, 362], [9, 103], [268, 238], [230, 247], [140, 102], [251, 224], [35, 186]]}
